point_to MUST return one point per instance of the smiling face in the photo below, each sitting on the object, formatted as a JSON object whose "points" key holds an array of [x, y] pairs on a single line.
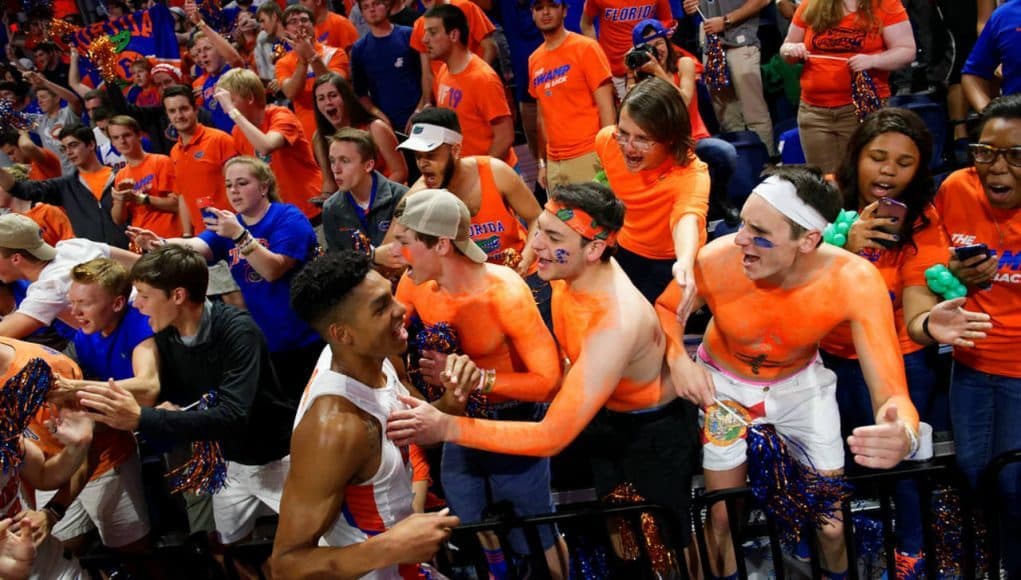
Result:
{"points": [[330, 103], [886, 166], [561, 253], [765, 241], [94, 308], [349, 169], [247, 195], [640, 151], [371, 320], [183, 116], [437, 166], [1001, 180]]}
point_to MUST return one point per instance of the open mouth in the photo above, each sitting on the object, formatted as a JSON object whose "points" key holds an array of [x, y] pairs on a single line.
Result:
{"points": [[748, 260], [999, 191], [633, 161], [433, 181], [881, 188], [332, 113], [400, 332]]}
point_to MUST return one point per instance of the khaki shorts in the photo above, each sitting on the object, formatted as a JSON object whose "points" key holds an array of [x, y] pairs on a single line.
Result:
{"points": [[575, 170], [220, 280]]}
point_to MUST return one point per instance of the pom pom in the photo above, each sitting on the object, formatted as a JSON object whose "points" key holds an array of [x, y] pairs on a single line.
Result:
{"points": [[942, 281], [509, 257], [15, 119], [440, 337], [662, 559], [102, 53], [864, 95], [836, 232], [716, 75], [62, 29], [21, 397], [793, 493], [206, 471]]}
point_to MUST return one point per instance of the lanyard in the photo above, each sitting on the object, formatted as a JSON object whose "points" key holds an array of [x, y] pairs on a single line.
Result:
{"points": [[363, 214]]}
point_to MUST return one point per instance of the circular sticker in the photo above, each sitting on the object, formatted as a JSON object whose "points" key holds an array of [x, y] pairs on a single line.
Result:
{"points": [[723, 425]]}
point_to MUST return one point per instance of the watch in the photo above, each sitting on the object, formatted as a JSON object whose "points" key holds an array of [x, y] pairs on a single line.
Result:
{"points": [[145, 199]]}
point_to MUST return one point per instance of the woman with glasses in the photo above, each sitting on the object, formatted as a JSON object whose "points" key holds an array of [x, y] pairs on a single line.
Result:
{"points": [[888, 159], [982, 205], [650, 165]]}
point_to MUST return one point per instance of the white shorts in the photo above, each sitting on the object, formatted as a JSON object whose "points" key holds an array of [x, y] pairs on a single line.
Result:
{"points": [[113, 503], [51, 563], [802, 407], [252, 491], [220, 280]]}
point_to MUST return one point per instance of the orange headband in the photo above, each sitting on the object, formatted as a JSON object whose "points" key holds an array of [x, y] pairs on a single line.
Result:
{"points": [[581, 222]]}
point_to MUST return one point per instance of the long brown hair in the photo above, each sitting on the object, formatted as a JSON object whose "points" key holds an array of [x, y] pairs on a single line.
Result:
{"points": [[822, 15]]}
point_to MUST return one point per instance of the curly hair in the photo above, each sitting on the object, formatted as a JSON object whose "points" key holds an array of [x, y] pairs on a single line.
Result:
{"points": [[324, 284]]}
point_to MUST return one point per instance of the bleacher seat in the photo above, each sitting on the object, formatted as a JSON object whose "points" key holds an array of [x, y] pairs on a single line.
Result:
{"points": [[789, 146], [752, 159], [935, 118]]}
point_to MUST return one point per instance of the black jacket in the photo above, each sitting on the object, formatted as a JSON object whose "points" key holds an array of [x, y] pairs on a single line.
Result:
{"points": [[153, 120], [253, 418], [340, 218], [90, 219]]}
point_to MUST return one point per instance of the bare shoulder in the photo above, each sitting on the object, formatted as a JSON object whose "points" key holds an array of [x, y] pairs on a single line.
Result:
{"points": [[332, 425]]}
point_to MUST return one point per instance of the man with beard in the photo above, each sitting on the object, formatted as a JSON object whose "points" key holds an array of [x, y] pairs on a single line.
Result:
{"points": [[568, 72], [495, 194]]}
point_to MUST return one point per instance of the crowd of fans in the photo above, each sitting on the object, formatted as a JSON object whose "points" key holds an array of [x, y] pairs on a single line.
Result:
{"points": [[192, 249]]}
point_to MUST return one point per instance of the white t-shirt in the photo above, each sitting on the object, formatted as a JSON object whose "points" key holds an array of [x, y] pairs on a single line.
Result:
{"points": [[46, 298]]}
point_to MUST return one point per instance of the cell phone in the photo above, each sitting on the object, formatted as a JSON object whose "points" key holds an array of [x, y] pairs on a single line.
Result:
{"points": [[890, 208], [204, 204], [967, 252]]}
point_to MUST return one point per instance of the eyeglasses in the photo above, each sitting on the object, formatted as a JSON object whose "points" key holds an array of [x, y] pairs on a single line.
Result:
{"points": [[988, 154], [70, 145], [642, 144], [759, 241]]}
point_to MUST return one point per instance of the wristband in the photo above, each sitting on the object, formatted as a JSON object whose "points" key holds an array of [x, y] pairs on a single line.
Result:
{"points": [[914, 444], [240, 237], [234, 114], [925, 328], [541, 162], [57, 509], [249, 247]]}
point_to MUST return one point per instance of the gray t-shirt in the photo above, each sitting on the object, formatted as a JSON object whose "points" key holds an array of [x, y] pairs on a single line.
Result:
{"points": [[46, 128], [743, 34]]}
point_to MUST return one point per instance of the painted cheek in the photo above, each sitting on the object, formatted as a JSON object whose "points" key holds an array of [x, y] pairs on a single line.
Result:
{"points": [[406, 254], [561, 256]]}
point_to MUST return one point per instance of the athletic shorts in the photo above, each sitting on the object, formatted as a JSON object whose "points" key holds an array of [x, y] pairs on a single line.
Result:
{"points": [[656, 451], [252, 491], [53, 563], [475, 481], [802, 407], [113, 503]]}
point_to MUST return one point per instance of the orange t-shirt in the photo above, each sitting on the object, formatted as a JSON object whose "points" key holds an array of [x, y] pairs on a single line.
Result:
{"points": [[298, 176], [336, 31], [761, 332], [969, 219], [617, 18], [154, 176], [495, 227], [826, 82], [304, 103], [499, 327], [900, 270], [563, 81], [655, 199], [53, 222], [110, 447], [199, 170], [477, 95], [48, 168], [479, 27], [97, 181]]}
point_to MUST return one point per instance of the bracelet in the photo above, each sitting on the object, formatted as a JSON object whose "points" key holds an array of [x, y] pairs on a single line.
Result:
{"points": [[914, 443], [234, 114], [925, 328], [249, 247], [372, 255], [541, 162], [240, 237]]}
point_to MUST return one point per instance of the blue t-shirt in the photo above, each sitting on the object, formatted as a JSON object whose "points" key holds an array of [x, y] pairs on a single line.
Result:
{"points": [[388, 70], [19, 289], [221, 120], [109, 357], [283, 230], [999, 43]]}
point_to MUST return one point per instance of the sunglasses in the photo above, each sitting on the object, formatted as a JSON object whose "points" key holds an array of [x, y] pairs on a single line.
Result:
{"points": [[987, 154]]}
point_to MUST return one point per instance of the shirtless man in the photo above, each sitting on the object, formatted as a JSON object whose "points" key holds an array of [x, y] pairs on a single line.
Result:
{"points": [[760, 351], [616, 389], [341, 416]]}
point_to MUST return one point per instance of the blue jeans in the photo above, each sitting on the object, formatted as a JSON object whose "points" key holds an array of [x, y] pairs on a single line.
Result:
{"points": [[856, 410], [985, 410]]}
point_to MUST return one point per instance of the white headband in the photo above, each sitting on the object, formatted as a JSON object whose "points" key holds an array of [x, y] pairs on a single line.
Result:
{"points": [[782, 195]]}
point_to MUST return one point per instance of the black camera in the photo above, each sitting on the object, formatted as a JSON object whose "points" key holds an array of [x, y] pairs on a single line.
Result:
{"points": [[639, 55]]}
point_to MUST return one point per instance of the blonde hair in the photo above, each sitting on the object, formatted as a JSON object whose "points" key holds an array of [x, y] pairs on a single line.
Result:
{"points": [[262, 172], [19, 171], [107, 273], [822, 15], [243, 83], [126, 121]]}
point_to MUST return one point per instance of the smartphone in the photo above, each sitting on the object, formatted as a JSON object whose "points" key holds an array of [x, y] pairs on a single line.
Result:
{"points": [[890, 208], [967, 252], [204, 204]]}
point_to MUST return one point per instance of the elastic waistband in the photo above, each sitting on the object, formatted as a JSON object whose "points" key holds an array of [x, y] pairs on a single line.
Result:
{"points": [[703, 355], [641, 415]]}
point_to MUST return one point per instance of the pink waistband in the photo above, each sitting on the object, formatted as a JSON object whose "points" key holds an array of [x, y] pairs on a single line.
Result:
{"points": [[703, 355]]}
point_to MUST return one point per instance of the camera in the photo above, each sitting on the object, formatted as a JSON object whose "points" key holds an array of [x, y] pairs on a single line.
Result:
{"points": [[639, 55]]}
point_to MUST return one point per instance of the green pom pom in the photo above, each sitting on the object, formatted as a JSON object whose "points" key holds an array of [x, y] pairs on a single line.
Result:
{"points": [[946, 278], [839, 240], [842, 228]]}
